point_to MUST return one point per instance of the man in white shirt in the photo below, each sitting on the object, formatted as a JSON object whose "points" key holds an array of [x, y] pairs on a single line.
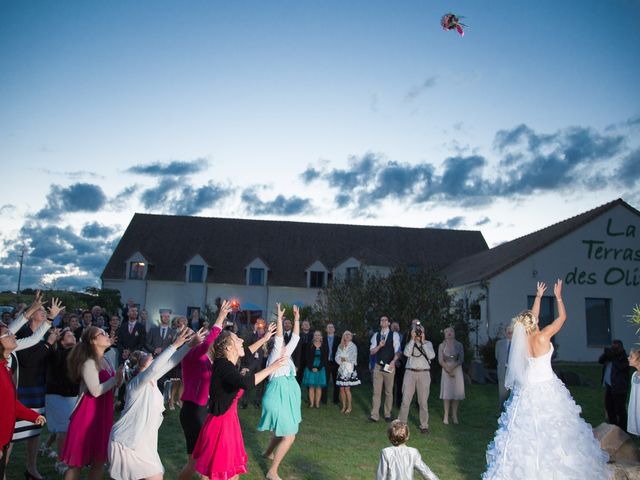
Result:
{"points": [[385, 345], [417, 375]]}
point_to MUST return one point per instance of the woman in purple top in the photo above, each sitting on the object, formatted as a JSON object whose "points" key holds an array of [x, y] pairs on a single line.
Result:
{"points": [[196, 376]]}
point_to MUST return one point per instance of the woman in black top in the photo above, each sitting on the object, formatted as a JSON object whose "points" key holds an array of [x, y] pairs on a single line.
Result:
{"points": [[315, 376], [219, 451]]}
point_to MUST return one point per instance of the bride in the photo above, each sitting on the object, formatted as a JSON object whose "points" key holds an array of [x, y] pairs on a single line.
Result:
{"points": [[541, 435]]}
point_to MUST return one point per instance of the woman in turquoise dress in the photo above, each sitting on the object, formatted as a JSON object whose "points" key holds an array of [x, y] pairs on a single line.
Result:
{"points": [[315, 376], [281, 412]]}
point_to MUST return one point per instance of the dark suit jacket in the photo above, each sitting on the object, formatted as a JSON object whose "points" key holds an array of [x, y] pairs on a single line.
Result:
{"points": [[155, 340], [619, 371], [334, 347], [131, 341], [305, 341], [311, 352]]}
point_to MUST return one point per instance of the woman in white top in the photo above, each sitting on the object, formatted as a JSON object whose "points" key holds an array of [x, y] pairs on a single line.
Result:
{"points": [[633, 419], [281, 401], [133, 446], [347, 360]]}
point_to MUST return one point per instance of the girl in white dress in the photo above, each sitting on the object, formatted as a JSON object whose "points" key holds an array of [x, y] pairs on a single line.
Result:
{"points": [[633, 418], [541, 435], [133, 446]]}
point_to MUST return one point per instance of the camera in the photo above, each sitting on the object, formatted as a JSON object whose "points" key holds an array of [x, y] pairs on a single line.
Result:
{"points": [[419, 329]]}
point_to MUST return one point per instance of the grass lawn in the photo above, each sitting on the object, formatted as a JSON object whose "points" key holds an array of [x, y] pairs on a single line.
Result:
{"points": [[343, 447]]}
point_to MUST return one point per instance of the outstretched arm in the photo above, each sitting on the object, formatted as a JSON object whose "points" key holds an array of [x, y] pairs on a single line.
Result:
{"points": [[553, 328], [540, 288], [296, 320], [169, 358], [254, 347]]}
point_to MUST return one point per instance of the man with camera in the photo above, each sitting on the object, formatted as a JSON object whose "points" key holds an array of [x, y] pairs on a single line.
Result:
{"points": [[417, 376], [615, 378]]}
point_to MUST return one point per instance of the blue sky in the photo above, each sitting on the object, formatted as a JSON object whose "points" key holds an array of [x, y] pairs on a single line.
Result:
{"points": [[347, 112]]}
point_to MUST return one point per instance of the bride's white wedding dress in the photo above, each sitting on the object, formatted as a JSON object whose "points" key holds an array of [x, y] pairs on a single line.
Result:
{"points": [[541, 435]]}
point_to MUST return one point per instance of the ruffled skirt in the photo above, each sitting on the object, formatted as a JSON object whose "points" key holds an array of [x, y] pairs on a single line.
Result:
{"points": [[541, 436]]}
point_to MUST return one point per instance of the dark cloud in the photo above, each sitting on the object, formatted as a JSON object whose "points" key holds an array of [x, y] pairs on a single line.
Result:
{"points": [[279, 206], [310, 174], [97, 230], [483, 221], [121, 200], [57, 255], [452, 223], [414, 92], [361, 171], [176, 168], [179, 197], [629, 171], [79, 197]]}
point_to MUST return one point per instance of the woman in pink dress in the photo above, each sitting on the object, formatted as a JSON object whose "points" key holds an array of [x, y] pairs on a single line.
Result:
{"points": [[219, 452], [90, 423]]}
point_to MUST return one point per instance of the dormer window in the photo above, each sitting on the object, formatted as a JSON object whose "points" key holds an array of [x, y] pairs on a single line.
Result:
{"points": [[317, 275], [137, 267], [256, 276], [196, 270], [136, 270], [256, 273], [196, 273]]}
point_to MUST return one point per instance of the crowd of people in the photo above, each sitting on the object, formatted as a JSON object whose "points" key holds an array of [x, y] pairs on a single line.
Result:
{"points": [[72, 371]]}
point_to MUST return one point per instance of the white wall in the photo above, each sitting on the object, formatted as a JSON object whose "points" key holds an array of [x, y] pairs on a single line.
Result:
{"points": [[567, 259]]}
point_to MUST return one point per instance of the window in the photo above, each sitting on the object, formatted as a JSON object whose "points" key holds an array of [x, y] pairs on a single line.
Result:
{"points": [[256, 276], [196, 273], [136, 270], [598, 315], [546, 310], [316, 279], [414, 269], [351, 273]]}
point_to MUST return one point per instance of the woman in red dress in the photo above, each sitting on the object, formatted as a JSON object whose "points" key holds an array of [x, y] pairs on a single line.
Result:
{"points": [[219, 452], [90, 423]]}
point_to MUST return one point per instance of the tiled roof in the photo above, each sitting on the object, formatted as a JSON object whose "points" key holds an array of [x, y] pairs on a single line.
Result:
{"points": [[489, 263], [229, 245]]}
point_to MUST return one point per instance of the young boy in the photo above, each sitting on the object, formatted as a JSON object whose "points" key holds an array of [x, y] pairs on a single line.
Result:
{"points": [[399, 461]]}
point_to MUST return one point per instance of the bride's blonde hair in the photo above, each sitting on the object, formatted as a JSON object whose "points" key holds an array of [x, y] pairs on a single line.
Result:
{"points": [[527, 319]]}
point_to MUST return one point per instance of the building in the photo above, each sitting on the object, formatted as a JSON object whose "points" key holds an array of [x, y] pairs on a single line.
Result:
{"points": [[596, 254], [182, 263]]}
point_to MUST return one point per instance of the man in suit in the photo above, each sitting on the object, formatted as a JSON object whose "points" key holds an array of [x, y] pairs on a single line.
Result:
{"points": [[615, 379], [332, 367], [254, 362], [502, 355], [306, 336], [159, 338], [131, 337]]}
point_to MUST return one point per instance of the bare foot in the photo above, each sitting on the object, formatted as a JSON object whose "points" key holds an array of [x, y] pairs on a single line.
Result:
{"points": [[445, 421], [455, 421], [272, 476], [269, 456]]}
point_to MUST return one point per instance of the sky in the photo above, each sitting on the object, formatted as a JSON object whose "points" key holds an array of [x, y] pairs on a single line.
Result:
{"points": [[359, 112]]}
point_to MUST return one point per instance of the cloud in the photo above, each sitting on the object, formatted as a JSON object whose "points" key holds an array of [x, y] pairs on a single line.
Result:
{"points": [[7, 209], [310, 174], [176, 168], [452, 223], [482, 221], [79, 197], [281, 205], [121, 200], [74, 175], [57, 256], [97, 230], [179, 197], [629, 171], [415, 91]]}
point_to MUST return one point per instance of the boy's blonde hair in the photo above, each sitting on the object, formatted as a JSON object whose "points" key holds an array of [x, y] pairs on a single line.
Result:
{"points": [[398, 433]]}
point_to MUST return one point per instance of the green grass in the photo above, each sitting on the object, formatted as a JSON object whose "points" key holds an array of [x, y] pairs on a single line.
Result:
{"points": [[347, 447]]}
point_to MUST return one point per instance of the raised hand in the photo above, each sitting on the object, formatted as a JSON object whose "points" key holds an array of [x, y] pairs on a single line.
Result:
{"points": [[225, 309], [55, 308], [35, 306], [557, 289], [183, 336], [198, 337], [540, 289], [296, 313], [270, 332], [280, 311]]}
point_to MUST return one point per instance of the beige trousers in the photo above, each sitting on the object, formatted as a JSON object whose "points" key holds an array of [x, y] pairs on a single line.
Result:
{"points": [[380, 379], [420, 383]]}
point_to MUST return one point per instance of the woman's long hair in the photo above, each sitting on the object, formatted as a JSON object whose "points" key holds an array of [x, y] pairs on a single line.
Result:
{"points": [[219, 346], [82, 352]]}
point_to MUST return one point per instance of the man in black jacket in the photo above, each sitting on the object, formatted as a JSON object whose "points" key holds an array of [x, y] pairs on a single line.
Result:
{"points": [[615, 378]]}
